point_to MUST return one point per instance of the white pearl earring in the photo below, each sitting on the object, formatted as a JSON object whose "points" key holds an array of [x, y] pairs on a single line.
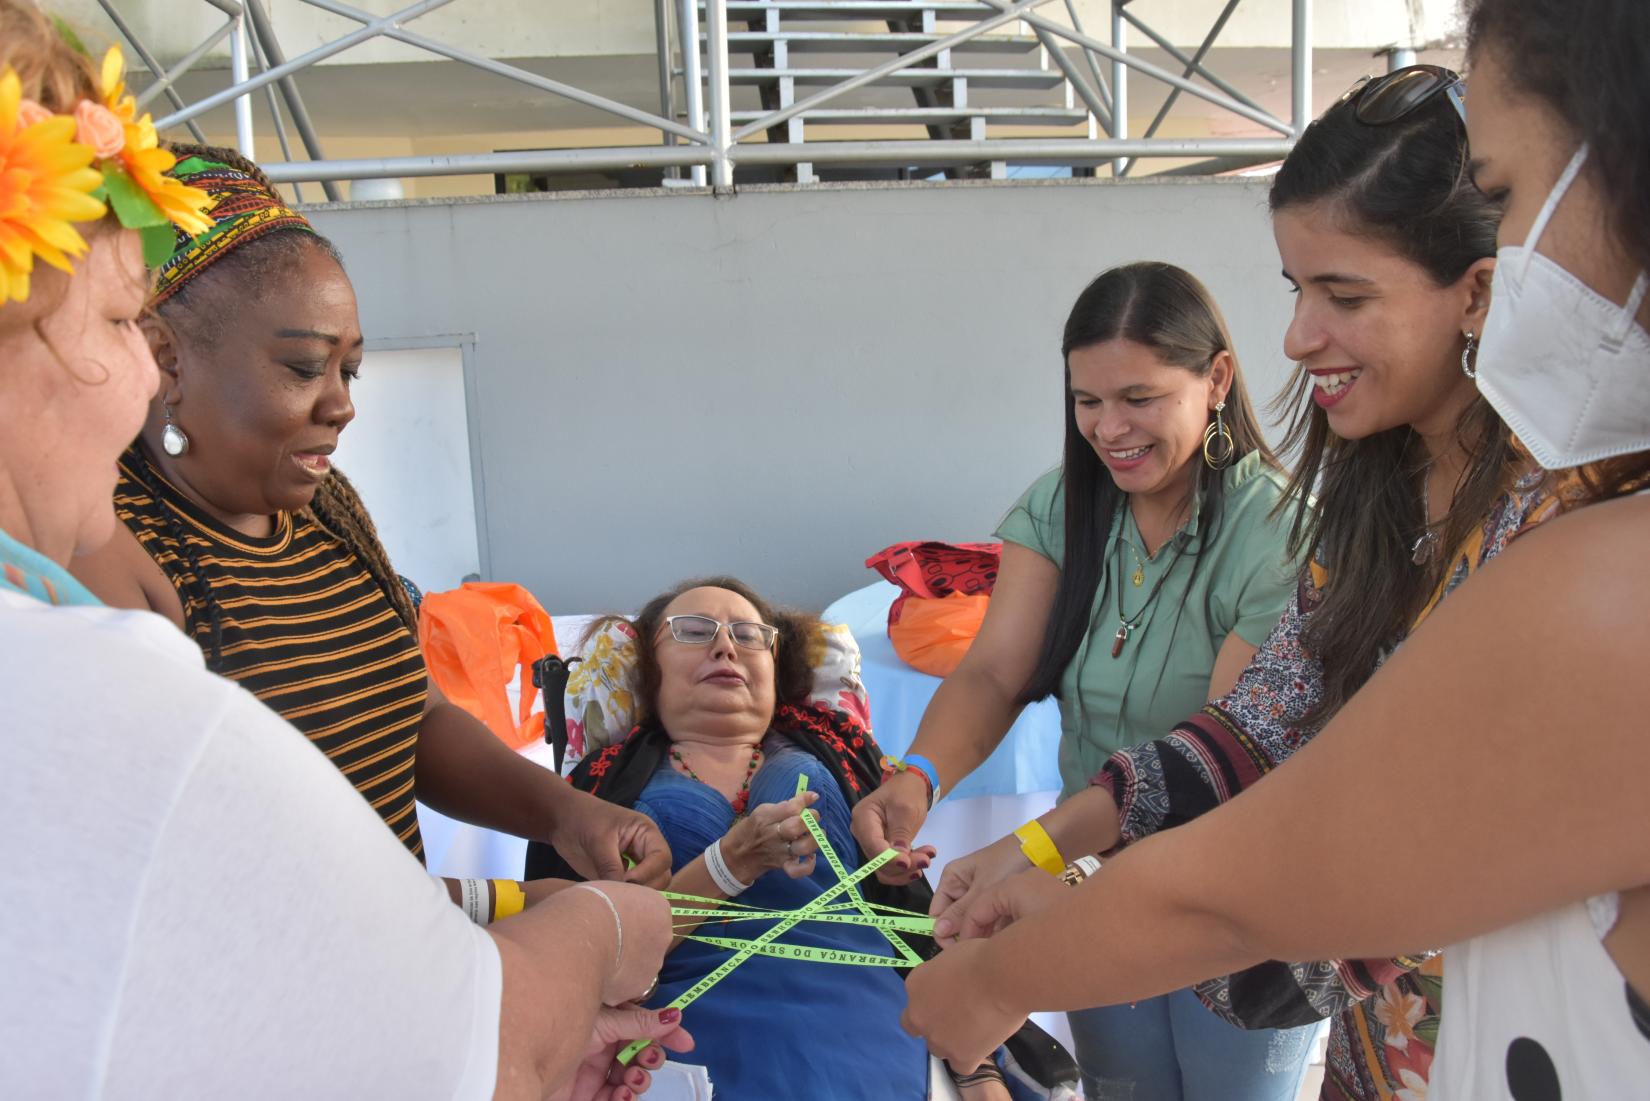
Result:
{"points": [[172, 438]]}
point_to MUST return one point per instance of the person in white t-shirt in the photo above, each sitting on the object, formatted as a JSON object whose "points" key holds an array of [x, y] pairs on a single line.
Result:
{"points": [[193, 901]]}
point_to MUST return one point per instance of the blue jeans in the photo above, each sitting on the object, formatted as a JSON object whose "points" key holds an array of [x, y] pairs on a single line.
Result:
{"points": [[1173, 1049]]}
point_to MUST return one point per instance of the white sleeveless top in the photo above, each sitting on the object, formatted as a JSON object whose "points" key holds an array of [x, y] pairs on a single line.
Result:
{"points": [[1538, 1012]]}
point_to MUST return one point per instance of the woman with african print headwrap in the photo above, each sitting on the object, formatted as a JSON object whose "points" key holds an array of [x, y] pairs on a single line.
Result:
{"points": [[239, 530]]}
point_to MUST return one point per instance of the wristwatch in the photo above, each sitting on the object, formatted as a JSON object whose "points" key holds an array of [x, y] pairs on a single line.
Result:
{"points": [[1079, 870]]}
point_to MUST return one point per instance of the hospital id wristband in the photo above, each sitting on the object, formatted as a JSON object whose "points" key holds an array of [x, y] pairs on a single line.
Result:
{"points": [[1039, 848]]}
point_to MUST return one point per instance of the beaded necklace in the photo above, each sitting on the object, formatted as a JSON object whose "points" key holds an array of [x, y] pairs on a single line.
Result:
{"points": [[741, 798]]}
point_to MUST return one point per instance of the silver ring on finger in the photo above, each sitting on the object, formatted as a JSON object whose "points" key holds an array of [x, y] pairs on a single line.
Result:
{"points": [[651, 988]]}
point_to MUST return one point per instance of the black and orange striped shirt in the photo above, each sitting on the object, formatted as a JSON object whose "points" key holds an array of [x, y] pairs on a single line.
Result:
{"points": [[306, 629]]}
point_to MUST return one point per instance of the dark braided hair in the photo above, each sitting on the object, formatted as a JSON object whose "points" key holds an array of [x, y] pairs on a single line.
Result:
{"points": [[188, 577], [339, 511]]}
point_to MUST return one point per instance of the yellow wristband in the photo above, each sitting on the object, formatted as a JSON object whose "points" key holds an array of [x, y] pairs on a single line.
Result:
{"points": [[511, 899], [1039, 848]]}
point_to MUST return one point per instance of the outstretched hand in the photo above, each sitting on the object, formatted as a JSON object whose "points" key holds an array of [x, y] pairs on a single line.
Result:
{"points": [[595, 837], [989, 910], [967, 877], [950, 1005], [889, 818], [600, 1077]]}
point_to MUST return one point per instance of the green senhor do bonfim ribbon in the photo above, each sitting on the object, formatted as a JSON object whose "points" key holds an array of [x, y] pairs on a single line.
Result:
{"points": [[839, 904]]}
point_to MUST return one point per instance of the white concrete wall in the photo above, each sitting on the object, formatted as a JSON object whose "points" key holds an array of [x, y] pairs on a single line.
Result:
{"points": [[777, 384]]}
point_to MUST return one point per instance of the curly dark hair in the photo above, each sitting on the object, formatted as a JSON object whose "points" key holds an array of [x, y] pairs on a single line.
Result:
{"points": [[793, 655]]}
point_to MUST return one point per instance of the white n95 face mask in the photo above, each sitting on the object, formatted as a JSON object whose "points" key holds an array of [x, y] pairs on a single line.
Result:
{"points": [[1567, 369]]}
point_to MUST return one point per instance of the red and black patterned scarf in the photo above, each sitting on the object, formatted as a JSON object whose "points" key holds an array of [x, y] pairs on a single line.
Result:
{"points": [[836, 738]]}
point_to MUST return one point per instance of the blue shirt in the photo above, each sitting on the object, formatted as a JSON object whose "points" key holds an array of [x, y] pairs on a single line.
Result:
{"points": [[778, 1028]]}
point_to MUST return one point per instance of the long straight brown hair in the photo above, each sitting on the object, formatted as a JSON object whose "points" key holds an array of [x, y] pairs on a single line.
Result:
{"points": [[1405, 185], [1166, 309]]}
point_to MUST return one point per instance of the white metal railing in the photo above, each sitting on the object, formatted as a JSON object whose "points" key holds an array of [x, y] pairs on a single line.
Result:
{"points": [[706, 143]]}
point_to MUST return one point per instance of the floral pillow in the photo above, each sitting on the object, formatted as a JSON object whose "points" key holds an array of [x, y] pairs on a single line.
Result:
{"points": [[601, 698]]}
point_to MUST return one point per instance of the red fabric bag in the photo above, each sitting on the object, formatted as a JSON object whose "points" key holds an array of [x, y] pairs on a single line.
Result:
{"points": [[951, 584]]}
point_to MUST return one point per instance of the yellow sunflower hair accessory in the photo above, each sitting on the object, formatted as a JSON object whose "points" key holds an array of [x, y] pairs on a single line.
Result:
{"points": [[56, 170], [46, 185]]}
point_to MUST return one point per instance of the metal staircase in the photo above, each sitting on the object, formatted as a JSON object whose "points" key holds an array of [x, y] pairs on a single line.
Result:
{"points": [[974, 91]]}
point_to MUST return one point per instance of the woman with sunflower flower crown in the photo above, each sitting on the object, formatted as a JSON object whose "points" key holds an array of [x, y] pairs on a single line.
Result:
{"points": [[193, 901]]}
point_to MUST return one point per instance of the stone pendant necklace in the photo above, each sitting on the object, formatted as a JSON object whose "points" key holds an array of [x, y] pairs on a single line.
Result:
{"points": [[1127, 624]]}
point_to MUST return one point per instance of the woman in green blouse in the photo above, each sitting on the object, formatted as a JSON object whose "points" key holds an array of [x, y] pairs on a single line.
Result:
{"points": [[1137, 581]]}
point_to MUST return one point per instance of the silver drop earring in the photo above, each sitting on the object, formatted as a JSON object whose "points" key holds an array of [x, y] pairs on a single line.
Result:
{"points": [[1466, 355], [172, 438]]}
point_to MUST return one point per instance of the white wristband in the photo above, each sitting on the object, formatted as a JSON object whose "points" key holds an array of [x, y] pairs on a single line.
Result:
{"points": [[1089, 864], [474, 898], [618, 922], [720, 873]]}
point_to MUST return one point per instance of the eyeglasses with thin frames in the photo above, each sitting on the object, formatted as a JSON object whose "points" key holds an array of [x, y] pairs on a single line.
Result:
{"points": [[1388, 98], [699, 630]]}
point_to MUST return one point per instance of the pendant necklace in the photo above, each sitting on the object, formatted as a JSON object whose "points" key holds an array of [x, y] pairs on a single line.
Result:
{"points": [[742, 797], [1139, 576], [1127, 625], [1421, 552]]}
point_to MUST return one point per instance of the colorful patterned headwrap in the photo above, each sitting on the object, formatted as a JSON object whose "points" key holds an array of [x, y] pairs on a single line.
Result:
{"points": [[242, 210]]}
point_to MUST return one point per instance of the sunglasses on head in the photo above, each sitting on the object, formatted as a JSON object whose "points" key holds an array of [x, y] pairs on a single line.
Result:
{"points": [[1386, 99], [699, 630]]}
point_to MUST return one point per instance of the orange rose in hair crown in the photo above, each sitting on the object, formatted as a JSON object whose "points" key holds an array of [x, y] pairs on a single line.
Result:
{"points": [[97, 126], [144, 198]]}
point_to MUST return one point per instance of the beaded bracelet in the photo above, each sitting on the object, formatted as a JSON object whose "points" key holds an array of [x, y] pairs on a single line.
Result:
{"points": [[922, 766]]}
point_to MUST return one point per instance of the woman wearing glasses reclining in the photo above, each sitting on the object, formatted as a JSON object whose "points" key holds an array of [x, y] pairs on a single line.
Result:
{"points": [[719, 676]]}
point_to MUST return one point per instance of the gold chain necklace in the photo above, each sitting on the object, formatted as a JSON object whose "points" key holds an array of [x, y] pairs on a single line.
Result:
{"points": [[1139, 576]]}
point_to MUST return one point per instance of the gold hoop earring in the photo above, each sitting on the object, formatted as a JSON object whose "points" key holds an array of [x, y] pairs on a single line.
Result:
{"points": [[1218, 445]]}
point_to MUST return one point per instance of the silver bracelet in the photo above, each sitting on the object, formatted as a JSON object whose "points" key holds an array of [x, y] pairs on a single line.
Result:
{"points": [[721, 873], [618, 922]]}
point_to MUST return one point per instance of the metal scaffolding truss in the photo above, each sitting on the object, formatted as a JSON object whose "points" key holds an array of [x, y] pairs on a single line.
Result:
{"points": [[707, 143]]}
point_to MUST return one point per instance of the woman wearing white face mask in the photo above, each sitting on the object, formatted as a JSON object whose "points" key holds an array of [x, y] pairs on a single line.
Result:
{"points": [[1522, 695]]}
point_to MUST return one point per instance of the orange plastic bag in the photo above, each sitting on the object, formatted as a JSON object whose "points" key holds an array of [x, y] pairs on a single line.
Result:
{"points": [[474, 638], [933, 633]]}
